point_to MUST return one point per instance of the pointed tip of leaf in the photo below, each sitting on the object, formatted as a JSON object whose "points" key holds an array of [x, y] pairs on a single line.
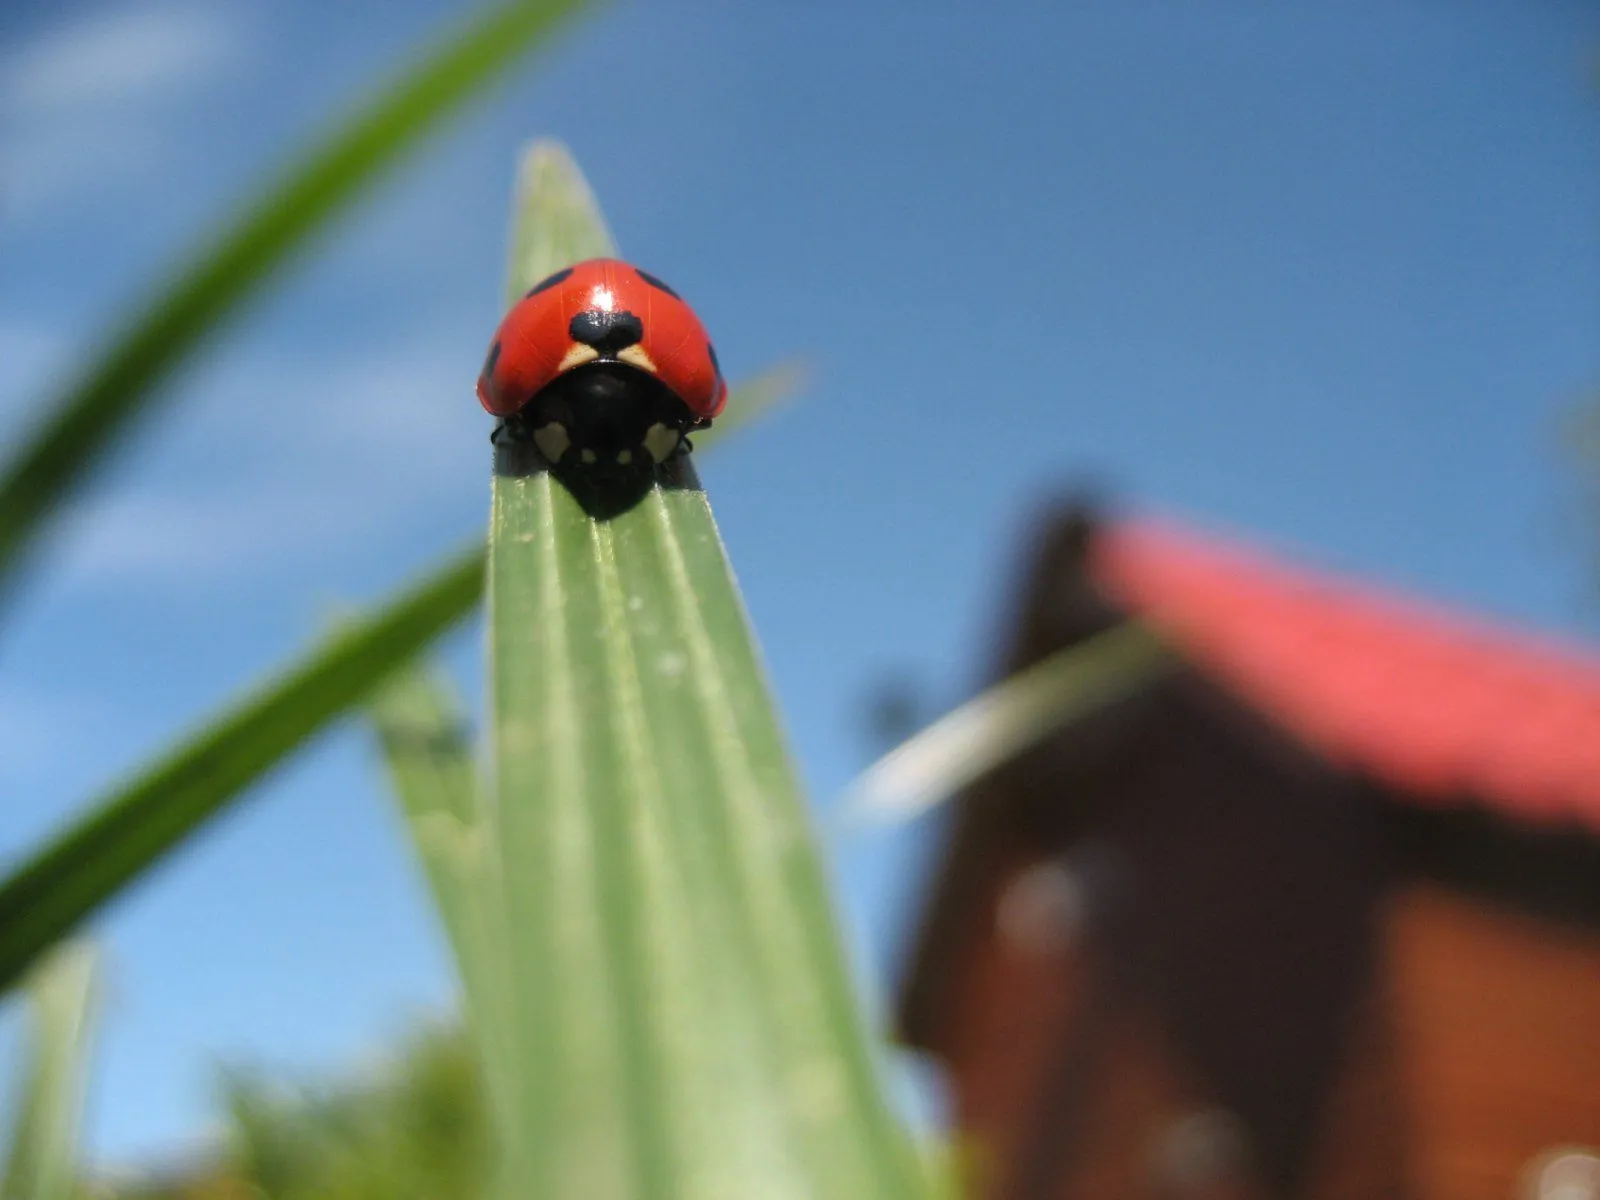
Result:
{"points": [[555, 218], [549, 158]]}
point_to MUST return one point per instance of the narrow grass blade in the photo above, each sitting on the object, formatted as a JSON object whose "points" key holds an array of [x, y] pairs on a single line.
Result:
{"points": [[42, 1162], [120, 384], [1007, 719], [427, 748], [685, 1022], [755, 397], [151, 814]]}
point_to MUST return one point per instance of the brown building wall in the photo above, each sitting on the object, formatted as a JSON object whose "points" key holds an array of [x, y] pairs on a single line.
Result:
{"points": [[1497, 1021], [1009, 1005], [1061, 1089], [1477, 1050]]}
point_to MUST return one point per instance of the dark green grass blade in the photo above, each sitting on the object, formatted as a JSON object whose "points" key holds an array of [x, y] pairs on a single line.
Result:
{"points": [[684, 1019], [139, 822], [41, 1161], [121, 383]]}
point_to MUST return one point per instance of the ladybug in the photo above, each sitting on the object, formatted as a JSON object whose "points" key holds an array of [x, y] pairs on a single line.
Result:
{"points": [[602, 364]]}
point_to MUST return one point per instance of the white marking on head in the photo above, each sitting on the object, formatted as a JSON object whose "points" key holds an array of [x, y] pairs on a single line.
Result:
{"points": [[552, 440], [661, 441], [587, 456], [636, 356], [624, 457], [577, 356]]}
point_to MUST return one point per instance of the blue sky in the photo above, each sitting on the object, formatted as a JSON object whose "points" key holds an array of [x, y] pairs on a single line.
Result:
{"points": [[1325, 275]]}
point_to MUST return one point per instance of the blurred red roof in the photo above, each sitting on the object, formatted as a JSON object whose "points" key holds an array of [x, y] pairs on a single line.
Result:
{"points": [[1444, 710]]}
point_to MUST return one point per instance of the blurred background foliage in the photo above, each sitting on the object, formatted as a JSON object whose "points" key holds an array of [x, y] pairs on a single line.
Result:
{"points": [[411, 1126]]}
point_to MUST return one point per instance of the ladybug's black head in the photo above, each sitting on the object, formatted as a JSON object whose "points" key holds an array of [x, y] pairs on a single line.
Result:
{"points": [[606, 417]]}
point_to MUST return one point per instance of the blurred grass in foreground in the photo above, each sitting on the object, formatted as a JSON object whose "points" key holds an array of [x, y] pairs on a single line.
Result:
{"points": [[39, 1161]]}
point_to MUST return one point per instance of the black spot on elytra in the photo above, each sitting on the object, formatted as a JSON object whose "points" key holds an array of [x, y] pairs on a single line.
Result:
{"points": [[607, 332], [488, 363], [657, 284], [549, 281], [715, 365]]}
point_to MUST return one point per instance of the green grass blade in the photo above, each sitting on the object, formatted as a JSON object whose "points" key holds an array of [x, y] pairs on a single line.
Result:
{"points": [[427, 749], [120, 384], [555, 222], [755, 397], [42, 1163], [1007, 719], [685, 1021], [151, 814]]}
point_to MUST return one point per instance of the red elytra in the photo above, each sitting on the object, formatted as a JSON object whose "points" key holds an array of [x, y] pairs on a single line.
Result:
{"points": [[535, 344]]}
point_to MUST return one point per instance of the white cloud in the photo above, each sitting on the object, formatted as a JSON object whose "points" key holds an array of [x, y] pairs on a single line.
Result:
{"points": [[321, 455], [409, 401], [126, 55], [83, 104], [150, 533], [325, 458], [41, 165]]}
